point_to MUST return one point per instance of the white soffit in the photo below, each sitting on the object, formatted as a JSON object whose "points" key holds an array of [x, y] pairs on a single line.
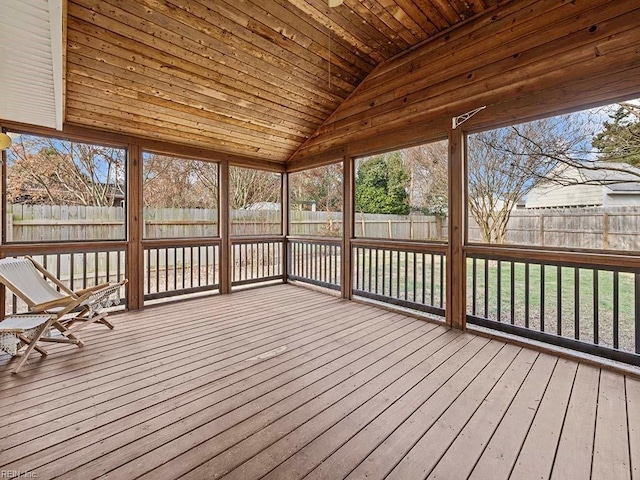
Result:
{"points": [[31, 87]]}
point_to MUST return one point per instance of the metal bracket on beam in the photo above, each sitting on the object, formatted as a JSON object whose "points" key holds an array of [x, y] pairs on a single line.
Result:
{"points": [[460, 119]]}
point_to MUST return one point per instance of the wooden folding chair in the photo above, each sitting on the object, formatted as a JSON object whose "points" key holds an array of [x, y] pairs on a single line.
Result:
{"points": [[32, 283], [20, 334]]}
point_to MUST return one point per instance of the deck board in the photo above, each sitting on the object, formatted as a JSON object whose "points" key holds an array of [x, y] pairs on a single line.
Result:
{"points": [[287, 383]]}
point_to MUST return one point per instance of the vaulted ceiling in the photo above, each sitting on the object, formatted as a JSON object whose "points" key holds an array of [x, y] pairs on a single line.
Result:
{"points": [[254, 78]]}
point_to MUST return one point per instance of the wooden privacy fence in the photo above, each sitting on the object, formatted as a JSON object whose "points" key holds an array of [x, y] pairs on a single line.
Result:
{"points": [[597, 228], [611, 228]]}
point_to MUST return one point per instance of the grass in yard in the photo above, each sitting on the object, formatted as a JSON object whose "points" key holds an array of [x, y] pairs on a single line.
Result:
{"points": [[554, 303]]}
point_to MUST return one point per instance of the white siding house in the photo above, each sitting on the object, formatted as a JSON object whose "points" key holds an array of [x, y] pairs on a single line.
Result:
{"points": [[609, 185]]}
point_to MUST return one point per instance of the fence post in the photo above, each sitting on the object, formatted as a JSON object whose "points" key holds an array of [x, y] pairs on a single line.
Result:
{"points": [[542, 230], [364, 225], [605, 231], [439, 227], [390, 230]]}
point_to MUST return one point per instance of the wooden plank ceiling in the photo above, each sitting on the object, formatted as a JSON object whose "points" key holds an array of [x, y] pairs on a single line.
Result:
{"points": [[254, 78]]}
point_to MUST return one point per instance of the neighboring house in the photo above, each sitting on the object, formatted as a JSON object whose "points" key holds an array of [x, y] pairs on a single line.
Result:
{"points": [[609, 185], [270, 206]]}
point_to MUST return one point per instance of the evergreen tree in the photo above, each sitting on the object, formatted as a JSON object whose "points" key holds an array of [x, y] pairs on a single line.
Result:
{"points": [[619, 141], [381, 185]]}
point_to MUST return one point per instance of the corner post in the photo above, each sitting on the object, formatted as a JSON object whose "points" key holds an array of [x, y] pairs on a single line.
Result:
{"points": [[135, 222], [456, 306], [285, 227], [225, 230], [346, 282]]}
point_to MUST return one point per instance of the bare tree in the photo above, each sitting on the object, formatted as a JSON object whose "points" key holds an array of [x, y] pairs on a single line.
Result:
{"points": [[249, 187], [428, 183], [46, 170], [171, 182], [506, 163]]}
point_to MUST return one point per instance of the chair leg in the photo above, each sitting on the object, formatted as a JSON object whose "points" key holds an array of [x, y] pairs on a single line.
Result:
{"points": [[26, 341], [31, 346], [67, 333]]}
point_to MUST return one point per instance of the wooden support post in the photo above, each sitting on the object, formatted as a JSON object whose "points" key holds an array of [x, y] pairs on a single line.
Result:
{"points": [[285, 227], [605, 231], [348, 222], [135, 250], [225, 230], [456, 314]]}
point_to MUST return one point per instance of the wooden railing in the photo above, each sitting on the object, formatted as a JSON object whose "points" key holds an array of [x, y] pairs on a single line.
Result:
{"points": [[77, 265], [407, 274], [587, 302], [180, 267], [256, 259], [315, 260]]}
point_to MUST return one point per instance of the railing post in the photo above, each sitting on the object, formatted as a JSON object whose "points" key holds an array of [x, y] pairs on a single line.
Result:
{"points": [[285, 227], [225, 230], [346, 282], [135, 249], [456, 314]]}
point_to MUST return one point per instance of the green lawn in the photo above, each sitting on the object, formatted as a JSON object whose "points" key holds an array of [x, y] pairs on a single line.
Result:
{"points": [[585, 304], [399, 277]]}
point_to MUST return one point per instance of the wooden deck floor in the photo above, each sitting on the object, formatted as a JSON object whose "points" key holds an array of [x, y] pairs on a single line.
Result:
{"points": [[288, 383]]}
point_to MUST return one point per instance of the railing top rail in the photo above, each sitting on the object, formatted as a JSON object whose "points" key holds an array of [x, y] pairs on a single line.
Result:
{"points": [[412, 246], [564, 257], [257, 239], [315, 239], [180, 242], [62, 247]]}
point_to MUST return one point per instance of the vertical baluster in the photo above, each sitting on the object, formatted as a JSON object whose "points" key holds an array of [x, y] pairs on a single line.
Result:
{"points": [[96, 268], [157, 269], [369, 267], [441, 281], [576, 302], [72, 271], [384, 268], [486, 288], [526, 294], [474, 286], [637, 311], [166, 269], [406, 274], [616, 310], [424, 278], [377, 268], [206, 264], [542, 295], [84, 270], [432, 287], [499, 291], [148, 261], [413, 277], [175, 268], [184, 265], [397, 273], [357, 268], [199, 249], [596, 308], [58, 267], [559, 299], [513, 293]]}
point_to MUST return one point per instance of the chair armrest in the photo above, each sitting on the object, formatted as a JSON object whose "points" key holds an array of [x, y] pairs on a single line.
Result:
{"points": [[91, 289], [59, 302]]}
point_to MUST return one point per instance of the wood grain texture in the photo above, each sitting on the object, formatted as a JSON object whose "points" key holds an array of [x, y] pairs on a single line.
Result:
{"points": [[520, 50], [253, 78], [286, 382]]}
